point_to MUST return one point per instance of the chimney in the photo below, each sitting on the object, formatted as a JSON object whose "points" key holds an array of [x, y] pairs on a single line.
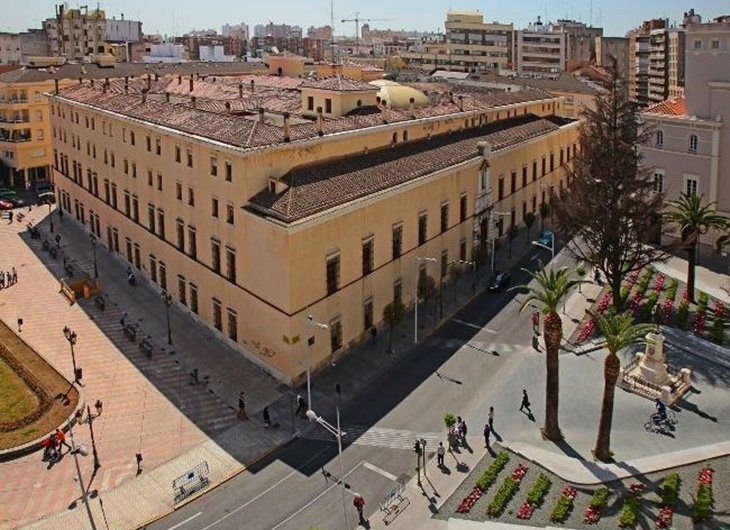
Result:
{"points": [[461, 103], [167, 97], [179, 79], [320, 121], [253, 87], [56, 83], [228, 106], [192, 83], [287, 136], [193, 101], [240, 90], [412, 105], [261, 114]]}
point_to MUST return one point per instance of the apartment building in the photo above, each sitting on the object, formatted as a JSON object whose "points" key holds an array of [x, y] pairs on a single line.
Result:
{"points": [[690, 146], [580, 42], [617, 47], [666, 64], [25, 129], [76, 33], [639, 59], [260, 200], [539, 49], [470, 45]]}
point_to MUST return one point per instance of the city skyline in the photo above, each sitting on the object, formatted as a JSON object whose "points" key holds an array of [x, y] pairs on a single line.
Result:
{"points": [[622, 15]]}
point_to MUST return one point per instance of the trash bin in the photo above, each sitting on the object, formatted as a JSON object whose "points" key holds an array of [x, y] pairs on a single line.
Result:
{"points": [[78, 374]]}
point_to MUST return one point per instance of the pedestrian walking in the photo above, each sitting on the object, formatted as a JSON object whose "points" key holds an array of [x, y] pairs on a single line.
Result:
{"points": [[2, 281], [242, 407], [15, 276], [9, 278], [490, 417], [487, 432], [373, 333], [301, 406], [536, 322], [61, 437], [525, 402], [267, 417], [440, 452], [359, 504], [20, 325], [463, 431], [11, 218], [60, 213]]}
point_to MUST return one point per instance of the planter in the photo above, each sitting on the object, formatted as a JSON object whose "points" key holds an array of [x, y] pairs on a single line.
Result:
{"points": [[592, 513], [505, 493], [564, 505]]}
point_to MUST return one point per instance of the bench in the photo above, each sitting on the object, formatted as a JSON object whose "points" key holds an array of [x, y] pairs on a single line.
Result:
{"points": [[131, 332], [100, 302], [146, 345]]}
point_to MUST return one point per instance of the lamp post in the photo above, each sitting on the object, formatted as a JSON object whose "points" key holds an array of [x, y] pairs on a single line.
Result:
{"points": [[71, 338], [310, 342], [551, 248], [92, 238], [84, 493], [167, 300], [337, 433], [415, 305], [492, 213], [50, 219], [90, 420]]}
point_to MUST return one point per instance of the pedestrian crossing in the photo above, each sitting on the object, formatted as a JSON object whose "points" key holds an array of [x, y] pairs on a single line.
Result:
{"points": [[375, 437]]}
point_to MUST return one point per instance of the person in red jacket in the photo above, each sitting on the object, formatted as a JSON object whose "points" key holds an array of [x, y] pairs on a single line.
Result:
{"points": [[61, 437], [359, 504]]}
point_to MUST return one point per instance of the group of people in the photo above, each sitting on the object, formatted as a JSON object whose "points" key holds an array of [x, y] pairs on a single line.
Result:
{"points": [[52, 446], [8, 278]]}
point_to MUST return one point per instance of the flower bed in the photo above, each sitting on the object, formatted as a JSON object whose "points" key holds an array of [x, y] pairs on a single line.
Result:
{"points": [[671, 293], [659, 283], [699, 324], [482, 485], [629, 513], [564, 505], [670, 494], [592, 513], [534, 497], [506, 491], [703, 502], [590, 324], [667, 310]]}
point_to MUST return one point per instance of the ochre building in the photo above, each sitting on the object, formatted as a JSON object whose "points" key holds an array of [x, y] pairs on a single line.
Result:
{"points": [[257, 201]]}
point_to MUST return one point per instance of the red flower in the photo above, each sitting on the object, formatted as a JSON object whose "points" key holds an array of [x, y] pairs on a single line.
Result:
{"points": [[519, 472], [525, 511], [570, 492], [470, 500], [705, 476], [664, 519], [637, 489], [591, 515]]}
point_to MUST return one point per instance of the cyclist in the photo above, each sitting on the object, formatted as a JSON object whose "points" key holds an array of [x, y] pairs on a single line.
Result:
{"points": [[661, 412]]}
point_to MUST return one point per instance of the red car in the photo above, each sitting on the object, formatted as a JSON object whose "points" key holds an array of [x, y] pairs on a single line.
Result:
{"points": [[6, 205]]}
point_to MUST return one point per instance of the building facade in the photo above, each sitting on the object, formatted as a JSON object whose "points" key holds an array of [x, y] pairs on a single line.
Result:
{"points": [[76, 33], [580, 42], [690, 146], [257, 207], [123, 30], [617, 47], [539, 49]]}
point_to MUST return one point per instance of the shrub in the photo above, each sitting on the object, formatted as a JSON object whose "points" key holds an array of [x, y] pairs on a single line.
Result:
{"points": [[564, 505], [702, 508], [670, 489], [651, 301], [702, 300], [592, 513], [503, 496], [539, 490], [629, 512], [672, 289], [494, 469], [449, 420], [682, 314], [717, 333]]}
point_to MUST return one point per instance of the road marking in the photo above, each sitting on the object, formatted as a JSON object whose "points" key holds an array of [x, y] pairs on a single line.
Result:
{"points": [[300, 510], [469, 324], [257, 497], [178, 525], [379, 471]]}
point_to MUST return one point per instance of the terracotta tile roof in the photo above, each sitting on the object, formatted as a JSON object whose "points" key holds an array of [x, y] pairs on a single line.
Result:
{"points": [[338, 83], [317, 188], [670, 107]]}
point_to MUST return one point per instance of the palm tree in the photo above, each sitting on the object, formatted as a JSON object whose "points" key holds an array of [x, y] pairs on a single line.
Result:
{"points": [[693, 219], [619, 331], [552, 287]]}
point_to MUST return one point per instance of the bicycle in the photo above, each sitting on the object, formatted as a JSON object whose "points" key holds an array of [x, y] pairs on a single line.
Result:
{"points": [[655, 424]]}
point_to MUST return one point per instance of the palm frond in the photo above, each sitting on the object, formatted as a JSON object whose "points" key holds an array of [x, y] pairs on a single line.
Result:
{"points": [[620, 330], [553, 285]]}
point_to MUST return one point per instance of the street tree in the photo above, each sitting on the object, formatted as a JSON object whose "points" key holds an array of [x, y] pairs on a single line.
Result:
{"points": [[454, 272], [610, 202], [619, 331], [529, 220], [393, 314], [427, 289], [694, 219], [512, 232], [549, 289]]}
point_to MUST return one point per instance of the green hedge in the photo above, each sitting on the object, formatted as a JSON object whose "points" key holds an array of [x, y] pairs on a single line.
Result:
{"points": [[539, 490], [562, 509], [671, 292], [600, 497], [503, 496], [670, 489], [490, 474], [703, 504], [629, 513], [682, 314], [717, 332]]}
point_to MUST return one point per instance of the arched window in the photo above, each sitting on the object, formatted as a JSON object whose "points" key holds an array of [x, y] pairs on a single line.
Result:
{"points": [[395, 137], [693, 143], [660, 138]]}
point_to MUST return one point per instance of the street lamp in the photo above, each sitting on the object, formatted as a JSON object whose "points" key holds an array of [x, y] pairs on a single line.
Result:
{"points": [[415, 305], [551, 248], [167, 300], [50, 218], [71, 338], [90, 420], [92, 238], [337, 433], [491, 227], [320, 325]]}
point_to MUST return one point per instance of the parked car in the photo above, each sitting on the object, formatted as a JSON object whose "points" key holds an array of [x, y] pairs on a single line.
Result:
{"points": [[17, 202], [46, 197], [546, 237], [40, 186], [499, 281], [6, 205]]}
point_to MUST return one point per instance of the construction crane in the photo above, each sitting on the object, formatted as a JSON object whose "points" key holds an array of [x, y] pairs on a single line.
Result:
{"points": [[357, 21]]}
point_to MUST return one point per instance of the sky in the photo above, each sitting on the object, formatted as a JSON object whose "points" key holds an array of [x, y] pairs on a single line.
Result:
{"points": [[178, 16]]}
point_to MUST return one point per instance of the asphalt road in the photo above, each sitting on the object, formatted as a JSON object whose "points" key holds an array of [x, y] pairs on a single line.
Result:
{"points": [[452, 371]]}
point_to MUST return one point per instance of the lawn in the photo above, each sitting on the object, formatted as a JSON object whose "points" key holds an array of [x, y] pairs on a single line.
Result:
{"points": [[16, 399]]}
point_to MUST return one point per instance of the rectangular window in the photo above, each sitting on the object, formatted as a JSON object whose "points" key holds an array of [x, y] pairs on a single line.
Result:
{"points": [[444, 217], [161, 223], [231, 265], [397, 240], [215, 256], [552, 162], [131, 137], [127, 204], [114, 196], [149, 177], [158, 147], [232, 325], [180, 233], [190, 158], [214, 207], [562, 156], [328, 106], [107, 196], [182, 290], [524, 175], [367, 311], [135, 208], [163, 276], [500, 188], [368, 255], [217, 315], [715, 44], [336, 335], [229, 172], [462, 249], [544, 166], [697, 44], [125, 165], [310, 103], [513, 181], [178, 191], [129, 249], [194, 298], [149, 144], [192, 243], [177, 154], [229, 213], [151, 218], [153, 268], [134, 170], [214, 167], [333, 274], [159, 181], [690, 187], [191, 196], [137, 260], [534, 170], [462, 207], [398, 291], [422, 228], [658, 182]]}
